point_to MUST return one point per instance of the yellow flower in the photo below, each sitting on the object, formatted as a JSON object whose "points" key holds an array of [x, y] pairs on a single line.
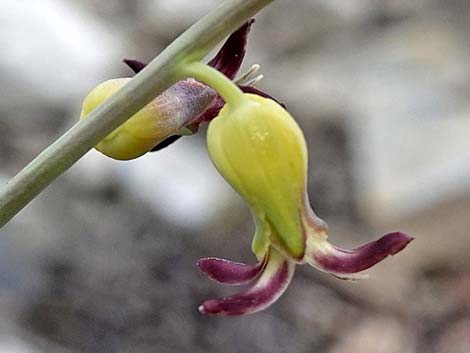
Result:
{"points": [[261, 151]]}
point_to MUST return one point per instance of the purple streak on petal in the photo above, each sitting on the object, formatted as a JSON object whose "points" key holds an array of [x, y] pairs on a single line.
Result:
{"points": [[213, 111], [229, 58], [229, 272], [341, 262], [269, 287], [135, 65], [254, 90]]}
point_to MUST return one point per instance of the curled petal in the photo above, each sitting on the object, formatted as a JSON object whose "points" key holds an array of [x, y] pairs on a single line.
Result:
{"points": [[229, 58], [135, 65], [273, 281], [347, 264], [229, 272]]}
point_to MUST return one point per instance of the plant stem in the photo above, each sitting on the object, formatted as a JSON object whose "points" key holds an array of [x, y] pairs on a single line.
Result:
{"points": [[158, 75], [229, 91]]}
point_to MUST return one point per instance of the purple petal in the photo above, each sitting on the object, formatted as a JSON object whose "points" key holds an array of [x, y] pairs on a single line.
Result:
{"points": [[229, 272], [273, 281], [135, 65], [229, 58], [346, 264]]}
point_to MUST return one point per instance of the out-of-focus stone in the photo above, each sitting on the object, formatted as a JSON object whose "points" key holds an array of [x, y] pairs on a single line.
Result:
{"points": [[394, 93], [53, 51], [168, 17], [376, 335], [455, 339], [311, 304], [178, 182]]}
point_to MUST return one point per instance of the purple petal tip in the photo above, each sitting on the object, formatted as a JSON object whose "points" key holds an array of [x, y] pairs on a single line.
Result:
{"points": [[229, 58], [201, 309], [342, 263], [395, 242], [135, 65], [269, 287]]}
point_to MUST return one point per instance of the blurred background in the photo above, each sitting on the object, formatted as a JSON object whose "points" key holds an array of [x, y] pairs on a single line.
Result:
{"points": [[104, 259]]}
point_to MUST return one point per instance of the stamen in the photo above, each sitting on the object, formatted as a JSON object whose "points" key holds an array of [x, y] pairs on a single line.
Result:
{"points": [[250, 73], [254, 81]]}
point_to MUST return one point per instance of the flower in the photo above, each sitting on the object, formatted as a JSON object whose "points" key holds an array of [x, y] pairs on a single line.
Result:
{"points": [[177, 111], [261, 151]]}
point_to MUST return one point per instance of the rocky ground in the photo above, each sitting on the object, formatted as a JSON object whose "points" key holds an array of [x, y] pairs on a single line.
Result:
{"points": [[103, 261]]}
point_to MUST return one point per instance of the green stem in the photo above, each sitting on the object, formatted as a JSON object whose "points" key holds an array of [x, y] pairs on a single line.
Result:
{"points": [[229, 91], [194, 43]]}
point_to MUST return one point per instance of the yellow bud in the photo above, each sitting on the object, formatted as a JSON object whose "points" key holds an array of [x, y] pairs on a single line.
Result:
{"points": [[166, 115], [261, 151]]}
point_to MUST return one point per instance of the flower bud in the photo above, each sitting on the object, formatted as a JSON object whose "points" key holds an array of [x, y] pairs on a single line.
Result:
{"points": [[167, 114]]}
